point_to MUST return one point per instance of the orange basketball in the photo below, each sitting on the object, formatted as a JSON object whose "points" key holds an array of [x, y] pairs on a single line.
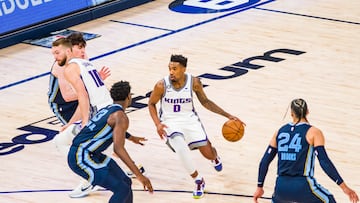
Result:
{"points": [[233, 130]]}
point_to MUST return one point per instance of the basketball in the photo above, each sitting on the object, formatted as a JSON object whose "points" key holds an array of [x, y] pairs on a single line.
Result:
{"points": [[233, 130]]}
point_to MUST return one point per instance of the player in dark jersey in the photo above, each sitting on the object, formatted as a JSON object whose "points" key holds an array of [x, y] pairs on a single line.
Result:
{"points": [[86, 157], [296, 144]]}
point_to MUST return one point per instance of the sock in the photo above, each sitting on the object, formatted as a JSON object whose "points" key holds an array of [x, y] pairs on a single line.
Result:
{"points": [[198, 177]]}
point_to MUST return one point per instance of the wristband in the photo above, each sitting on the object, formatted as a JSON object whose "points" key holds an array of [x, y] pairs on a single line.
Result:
{"points": [[127, 135]]}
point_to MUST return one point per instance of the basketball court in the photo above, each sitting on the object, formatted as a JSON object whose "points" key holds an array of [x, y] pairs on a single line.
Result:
{"points": [[253, 60]]}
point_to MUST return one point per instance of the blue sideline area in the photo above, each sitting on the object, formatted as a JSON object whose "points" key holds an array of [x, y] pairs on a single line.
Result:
{"points": [[43, 29]]}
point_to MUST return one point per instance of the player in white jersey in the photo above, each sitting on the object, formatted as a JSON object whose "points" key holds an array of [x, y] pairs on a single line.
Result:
{"points": [[90, 88], [178, 121], [81, 70], [178, 113]]}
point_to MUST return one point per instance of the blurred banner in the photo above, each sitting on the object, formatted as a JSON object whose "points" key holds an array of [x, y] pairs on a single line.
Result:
{"points": [[15, 14]]}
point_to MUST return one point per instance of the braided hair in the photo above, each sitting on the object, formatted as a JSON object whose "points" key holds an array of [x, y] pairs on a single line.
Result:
{"points": [[299, 108]]}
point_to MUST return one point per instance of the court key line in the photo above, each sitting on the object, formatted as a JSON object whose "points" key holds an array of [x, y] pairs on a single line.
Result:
{"points": [[136, 190], [146, 41], [309, 16]]}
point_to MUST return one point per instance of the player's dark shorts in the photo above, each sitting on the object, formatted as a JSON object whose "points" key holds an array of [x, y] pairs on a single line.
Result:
{"points": [[101, 170], [290, 189], [64, 112]]}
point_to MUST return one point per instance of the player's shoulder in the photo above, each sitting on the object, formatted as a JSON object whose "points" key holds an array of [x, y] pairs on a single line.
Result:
{"points": [[314, 129], [160, 83], [196, 81], [314, 132]]}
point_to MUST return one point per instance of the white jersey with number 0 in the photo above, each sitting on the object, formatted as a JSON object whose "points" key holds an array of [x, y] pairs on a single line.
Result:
{"points": [[177, 104], [178, 114]]}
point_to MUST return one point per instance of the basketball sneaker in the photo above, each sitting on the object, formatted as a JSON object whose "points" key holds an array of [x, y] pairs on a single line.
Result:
{"points": [[141, 169], [199, 189], [217, 164], [83, 190]]}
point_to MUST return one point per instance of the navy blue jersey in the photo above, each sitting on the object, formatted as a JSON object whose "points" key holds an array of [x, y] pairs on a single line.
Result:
{"points": [[63, 110], [86, 159], [97, 135], [295, 155]]}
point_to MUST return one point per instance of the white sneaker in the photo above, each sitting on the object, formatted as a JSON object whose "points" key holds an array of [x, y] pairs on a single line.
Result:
{"points": [[141, 169], [83, 190]]}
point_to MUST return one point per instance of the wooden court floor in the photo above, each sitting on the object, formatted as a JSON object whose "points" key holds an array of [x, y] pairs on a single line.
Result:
{"points": [[307, 49]]}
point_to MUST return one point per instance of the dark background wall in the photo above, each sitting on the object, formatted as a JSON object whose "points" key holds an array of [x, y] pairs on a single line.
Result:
{"points": [[32, 21]]}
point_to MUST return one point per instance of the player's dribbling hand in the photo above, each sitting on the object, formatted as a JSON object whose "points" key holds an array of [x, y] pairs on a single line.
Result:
{"points": [[231, 117]]}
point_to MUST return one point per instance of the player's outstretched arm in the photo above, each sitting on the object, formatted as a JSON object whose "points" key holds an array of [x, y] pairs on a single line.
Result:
{"points": [[267, 158], [318, 140], [120, 123], [207, 103]]}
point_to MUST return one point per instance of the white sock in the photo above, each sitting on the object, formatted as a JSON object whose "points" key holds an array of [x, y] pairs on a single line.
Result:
{"points": [[198, 177]]}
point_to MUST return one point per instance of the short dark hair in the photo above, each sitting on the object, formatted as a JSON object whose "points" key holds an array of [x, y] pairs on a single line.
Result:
{"points": [[120, 90], [76, 38], [179, 58]]}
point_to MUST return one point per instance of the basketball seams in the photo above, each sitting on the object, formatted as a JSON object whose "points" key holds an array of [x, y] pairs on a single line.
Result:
{"points": [[232, 130]]}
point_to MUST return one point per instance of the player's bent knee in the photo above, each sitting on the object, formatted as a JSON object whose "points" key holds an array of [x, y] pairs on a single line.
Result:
{"points": [[177, 143], [182, 150], [64, 139]]}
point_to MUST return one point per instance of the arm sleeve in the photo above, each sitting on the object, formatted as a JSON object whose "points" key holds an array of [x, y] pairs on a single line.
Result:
{"points": [[264, 164], [327, 165]]}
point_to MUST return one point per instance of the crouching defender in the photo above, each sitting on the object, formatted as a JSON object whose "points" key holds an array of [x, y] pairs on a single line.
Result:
{"points": [[86, 157]]}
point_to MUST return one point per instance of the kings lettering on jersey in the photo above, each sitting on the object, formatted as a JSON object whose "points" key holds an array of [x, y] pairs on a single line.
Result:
{"points": [[178, 100]]}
